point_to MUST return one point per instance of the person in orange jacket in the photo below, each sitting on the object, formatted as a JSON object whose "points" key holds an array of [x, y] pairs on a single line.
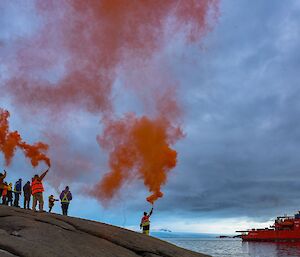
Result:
{"points": [[2, 177], [37, 190], [145, 222], [4, 193]]}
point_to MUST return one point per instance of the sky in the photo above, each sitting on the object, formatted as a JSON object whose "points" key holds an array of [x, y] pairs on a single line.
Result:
{"points": [[237, 88]]}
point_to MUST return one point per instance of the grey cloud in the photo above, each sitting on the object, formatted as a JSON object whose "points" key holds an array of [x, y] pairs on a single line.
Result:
{"points": [[241, 153]]}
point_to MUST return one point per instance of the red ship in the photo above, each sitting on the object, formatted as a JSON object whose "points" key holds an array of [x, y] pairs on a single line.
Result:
{"points": [[285, 229]]}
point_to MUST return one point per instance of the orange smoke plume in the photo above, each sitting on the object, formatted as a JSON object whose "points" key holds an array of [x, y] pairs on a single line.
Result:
{"points": [[139, 149], [73, 59], [10, 141], [83, 42]]}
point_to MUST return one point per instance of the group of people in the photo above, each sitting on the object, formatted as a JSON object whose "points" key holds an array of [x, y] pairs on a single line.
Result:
{"points": [[11, 195]]}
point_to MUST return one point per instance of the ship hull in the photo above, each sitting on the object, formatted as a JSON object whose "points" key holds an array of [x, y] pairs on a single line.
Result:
{"points": [[272, 236], [285, 229]]}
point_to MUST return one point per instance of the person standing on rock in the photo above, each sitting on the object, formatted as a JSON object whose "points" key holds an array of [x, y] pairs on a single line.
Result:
{"points": [[65, 198], [51, 201], [2, 177], [4, 193], [10, 194], [145, 222], [27, 195], [17, 192], [37, 190]]}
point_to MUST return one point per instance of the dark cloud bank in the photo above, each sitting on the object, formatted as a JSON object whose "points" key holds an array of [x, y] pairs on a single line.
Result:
{"points": [[241, 154]]}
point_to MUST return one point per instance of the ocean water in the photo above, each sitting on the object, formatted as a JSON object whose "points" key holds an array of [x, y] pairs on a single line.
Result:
{"points": [[236, 248]]}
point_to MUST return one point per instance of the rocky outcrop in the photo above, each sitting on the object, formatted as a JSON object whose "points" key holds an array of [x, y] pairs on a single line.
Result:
{"points": [[28, 234]]}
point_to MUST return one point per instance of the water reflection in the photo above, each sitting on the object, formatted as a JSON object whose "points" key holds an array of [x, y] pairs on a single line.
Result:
{"points": [[269, 249], [236, 248]]}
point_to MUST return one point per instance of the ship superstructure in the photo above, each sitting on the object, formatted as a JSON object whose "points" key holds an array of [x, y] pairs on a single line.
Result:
{"points": [[285, 228]]}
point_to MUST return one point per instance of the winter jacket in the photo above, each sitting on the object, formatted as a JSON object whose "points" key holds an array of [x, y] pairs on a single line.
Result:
{"points": [[65, 196], [27, 190], [18, 186], [2, 177]]}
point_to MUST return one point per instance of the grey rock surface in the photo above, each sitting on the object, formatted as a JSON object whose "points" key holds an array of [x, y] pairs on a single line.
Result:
{"points": [[25, 233]]}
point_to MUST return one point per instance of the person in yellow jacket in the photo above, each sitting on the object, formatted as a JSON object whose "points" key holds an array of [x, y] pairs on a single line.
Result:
{"points": [[145, 222], [10, 194], [37, 190], [4, 193]]}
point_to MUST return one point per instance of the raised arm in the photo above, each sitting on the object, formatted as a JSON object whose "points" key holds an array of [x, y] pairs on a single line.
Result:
{"points": [[4, 174], [151, 212], [44, 174]]}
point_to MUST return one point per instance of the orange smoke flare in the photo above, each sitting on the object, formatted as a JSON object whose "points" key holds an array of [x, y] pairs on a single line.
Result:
{"points": [[10, 141], [139, 149]]}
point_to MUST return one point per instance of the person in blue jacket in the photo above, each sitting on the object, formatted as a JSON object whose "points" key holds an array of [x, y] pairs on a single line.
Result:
{"points": [[65, 198], [17, 192]]}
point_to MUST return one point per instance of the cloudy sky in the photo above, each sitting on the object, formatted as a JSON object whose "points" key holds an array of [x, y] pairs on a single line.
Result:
{"points": [[238, 164]]}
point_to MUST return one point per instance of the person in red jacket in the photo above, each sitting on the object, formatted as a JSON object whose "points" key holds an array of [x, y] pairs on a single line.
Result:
{"points": [[37, 190]]}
